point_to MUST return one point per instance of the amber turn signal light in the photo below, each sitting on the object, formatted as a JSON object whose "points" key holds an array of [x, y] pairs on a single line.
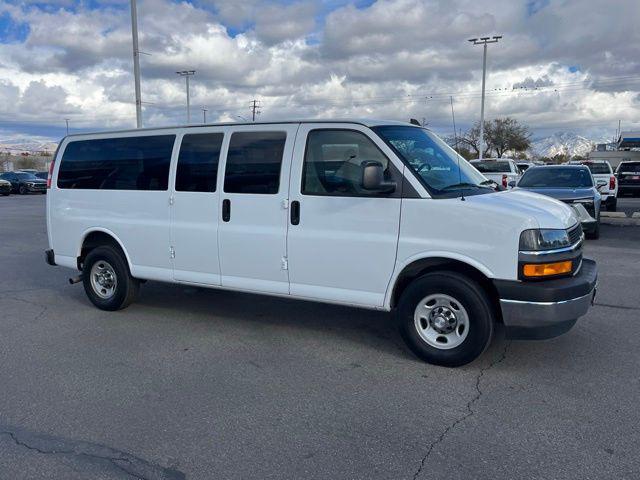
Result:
{"points": [[546, 269]]}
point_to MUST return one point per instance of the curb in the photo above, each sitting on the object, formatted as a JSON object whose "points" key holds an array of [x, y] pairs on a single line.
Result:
{"points": [[622, 222]]}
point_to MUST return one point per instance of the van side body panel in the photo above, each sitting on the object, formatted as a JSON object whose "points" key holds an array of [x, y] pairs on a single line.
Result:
{"points": [[462, 231]]}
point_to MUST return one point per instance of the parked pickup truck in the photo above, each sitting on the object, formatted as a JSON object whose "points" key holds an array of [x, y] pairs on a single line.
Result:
{"points": [[604, 179], [503, 171]]}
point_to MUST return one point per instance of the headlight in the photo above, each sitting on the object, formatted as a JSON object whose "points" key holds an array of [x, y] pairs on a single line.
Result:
{"points": [[544, 239], [29, 184]]}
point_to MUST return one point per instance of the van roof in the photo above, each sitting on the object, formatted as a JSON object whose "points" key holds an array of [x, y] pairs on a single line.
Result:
{"points": [[367, 122]]}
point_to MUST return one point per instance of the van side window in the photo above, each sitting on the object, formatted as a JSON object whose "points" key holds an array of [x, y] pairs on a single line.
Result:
{"points": [[127, 163], [253, 162], [198, 162], [332, 162]]}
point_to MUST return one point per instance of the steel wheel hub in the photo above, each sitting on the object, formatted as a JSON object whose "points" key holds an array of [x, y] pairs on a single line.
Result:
{"points": [[103, 279], [441, 321]]}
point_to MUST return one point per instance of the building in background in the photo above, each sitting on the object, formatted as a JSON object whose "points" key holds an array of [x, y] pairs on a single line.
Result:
{"points": [[626, 149]]}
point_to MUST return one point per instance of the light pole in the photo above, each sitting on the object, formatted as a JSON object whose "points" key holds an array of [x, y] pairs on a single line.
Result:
{"points": [[483, 41], [204, 115], [67, 122], [136, 62], [186, 74]]}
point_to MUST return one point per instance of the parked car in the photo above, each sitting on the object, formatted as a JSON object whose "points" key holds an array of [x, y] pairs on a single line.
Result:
{"points": [[628, 174], [605, 179], [503, 171], [572, 184], [5, 187], [42, 175], [24, 182], [378, 215]]}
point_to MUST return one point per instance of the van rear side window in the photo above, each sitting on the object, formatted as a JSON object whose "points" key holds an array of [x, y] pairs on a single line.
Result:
{"points": [[254, 161], [127, 163], [198, 162]]}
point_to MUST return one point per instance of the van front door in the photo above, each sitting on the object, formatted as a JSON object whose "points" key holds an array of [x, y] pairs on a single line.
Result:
{"points": [[342, 238], [253, 210], [194, 210]]}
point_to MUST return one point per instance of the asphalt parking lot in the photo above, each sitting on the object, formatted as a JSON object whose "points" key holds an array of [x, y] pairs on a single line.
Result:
{"points": [[204, 384]]}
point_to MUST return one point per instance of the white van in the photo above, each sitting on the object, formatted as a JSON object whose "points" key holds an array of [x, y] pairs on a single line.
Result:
{"points": [[379, 215]]}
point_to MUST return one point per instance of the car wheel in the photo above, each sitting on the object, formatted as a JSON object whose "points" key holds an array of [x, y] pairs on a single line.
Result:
{"points": [[22, 190], [107, 280], [445, 318], [595, 234], [6, 194], [613, 206]]}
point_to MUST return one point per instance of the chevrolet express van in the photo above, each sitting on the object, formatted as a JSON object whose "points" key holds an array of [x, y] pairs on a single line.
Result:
{"points": [[372, 214]]}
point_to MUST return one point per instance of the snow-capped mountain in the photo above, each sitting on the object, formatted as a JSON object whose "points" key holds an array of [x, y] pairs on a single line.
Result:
{"points": [[16, 145], [559, 143]]}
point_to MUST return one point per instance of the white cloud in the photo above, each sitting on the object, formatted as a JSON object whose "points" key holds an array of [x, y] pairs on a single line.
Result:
{"points": [[394, 59]]}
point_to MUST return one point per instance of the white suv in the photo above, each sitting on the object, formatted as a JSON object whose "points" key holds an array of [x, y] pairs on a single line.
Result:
{"points": [[378, 215]]}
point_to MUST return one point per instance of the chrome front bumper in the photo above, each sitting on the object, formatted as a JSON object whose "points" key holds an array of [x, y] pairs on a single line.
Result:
{"points": [[546, 309], [539, 320]]}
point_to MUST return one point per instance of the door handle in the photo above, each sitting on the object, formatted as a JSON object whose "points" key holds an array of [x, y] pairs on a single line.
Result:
{"points": [[295, 212], [226, 210]]}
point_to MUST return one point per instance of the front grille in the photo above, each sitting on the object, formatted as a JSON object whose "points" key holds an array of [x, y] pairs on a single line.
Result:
{"points": [[575, 234]]}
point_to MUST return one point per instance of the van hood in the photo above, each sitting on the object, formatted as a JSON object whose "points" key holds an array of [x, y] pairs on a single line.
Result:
{"points": [[547, 212]]}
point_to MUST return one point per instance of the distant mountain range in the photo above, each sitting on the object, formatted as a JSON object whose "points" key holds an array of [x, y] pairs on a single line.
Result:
{"points": [[30, 145], [563, 143]]}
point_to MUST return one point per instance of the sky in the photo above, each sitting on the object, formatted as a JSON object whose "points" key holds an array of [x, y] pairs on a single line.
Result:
{"points": [[570, 65]]}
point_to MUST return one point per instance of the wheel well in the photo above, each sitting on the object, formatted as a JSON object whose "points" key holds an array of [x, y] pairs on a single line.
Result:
{"points": [[97, 239], [428, 265]]}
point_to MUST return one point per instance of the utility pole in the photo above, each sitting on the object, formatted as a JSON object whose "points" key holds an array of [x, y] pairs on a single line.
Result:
{"points": [[186, 74], [204, 115], [136, 62], [67, 122], [483, 41], [255, 109]]}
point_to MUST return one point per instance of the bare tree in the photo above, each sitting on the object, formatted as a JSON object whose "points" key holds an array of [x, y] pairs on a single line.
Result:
{"points": [[507, 134], [470, 140]]}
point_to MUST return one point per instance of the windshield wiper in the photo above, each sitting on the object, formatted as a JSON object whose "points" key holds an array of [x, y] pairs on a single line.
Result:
{"points": [[460, 186]]}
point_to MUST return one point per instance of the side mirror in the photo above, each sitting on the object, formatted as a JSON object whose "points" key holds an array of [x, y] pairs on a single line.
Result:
{"points": [[373, 178], [512, 183]]}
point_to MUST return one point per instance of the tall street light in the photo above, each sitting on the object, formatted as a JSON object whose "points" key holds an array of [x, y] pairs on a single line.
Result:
{"points": [[483, 41], [136, 62], [186, 74]]}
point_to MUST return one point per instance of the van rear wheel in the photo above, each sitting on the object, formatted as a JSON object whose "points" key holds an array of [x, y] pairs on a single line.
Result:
{"points": [[445, 318], [107, 280]]}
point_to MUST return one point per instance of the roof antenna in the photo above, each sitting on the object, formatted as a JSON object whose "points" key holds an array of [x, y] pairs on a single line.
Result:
{"points": [[455, 136]]}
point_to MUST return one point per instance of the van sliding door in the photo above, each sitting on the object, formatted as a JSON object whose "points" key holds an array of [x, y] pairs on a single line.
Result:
{"points": [[253, 212]]}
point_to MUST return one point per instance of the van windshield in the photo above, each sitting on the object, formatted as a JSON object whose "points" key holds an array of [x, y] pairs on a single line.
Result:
{"points": [[444, 173]]}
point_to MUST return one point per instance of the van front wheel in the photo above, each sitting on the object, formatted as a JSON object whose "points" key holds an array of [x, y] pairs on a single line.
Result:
{"points": [[445, 318], [107, 280]]}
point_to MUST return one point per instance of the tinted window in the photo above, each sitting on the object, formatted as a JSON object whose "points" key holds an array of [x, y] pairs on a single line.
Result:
{"points": [[198, 162], [492, 166], [26, 176], [629, 167], [254, 161], [554, 177], [597, 168], [332, 162], [131, 163]]}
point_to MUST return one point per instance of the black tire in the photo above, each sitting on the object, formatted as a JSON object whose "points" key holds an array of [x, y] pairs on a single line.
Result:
{"points": [[613, 206], [6, 194], [595, 234], [126, 287], [466, 292], [22, 190]]}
